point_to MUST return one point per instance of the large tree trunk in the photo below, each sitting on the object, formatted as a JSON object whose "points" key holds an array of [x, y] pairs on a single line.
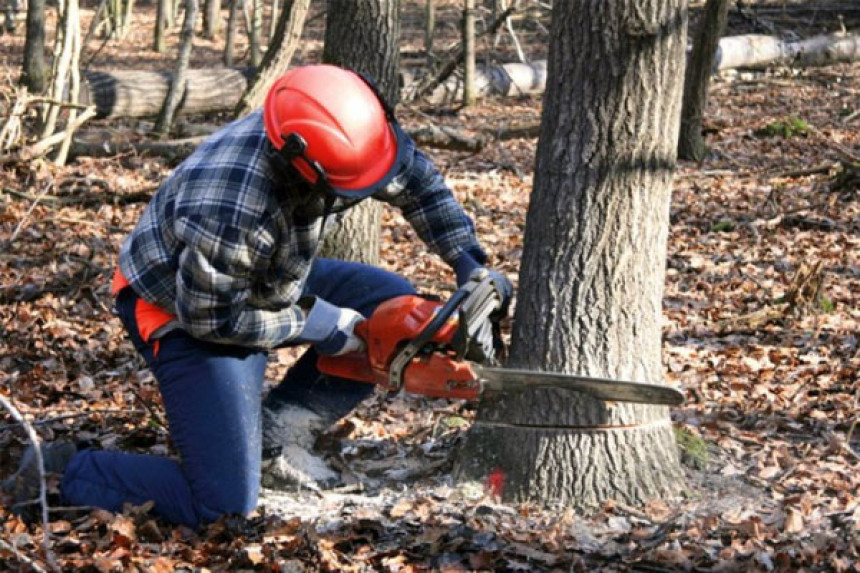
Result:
{"points": [[691, 144], [35, 71], [284, 43], [593, 265], [362, 35]]}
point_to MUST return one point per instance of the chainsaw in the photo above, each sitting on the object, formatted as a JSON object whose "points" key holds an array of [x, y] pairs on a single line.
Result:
{"points": [[422, 346]]}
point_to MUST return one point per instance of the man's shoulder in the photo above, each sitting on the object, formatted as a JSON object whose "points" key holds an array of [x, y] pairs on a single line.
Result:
{"points": [[241, 140], [228, 172]]}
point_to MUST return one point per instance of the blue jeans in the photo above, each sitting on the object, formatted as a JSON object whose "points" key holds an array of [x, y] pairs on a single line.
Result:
{"points": [[212, 398]]}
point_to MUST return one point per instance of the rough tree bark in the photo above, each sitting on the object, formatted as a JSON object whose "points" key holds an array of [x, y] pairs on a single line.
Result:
{"points": [[593, 265], [177, 86], [362, 35], [34, 72], [277, 59], [691, 144]]}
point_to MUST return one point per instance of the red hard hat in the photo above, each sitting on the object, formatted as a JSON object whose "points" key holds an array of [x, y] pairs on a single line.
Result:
{"points": [[342, 126]]}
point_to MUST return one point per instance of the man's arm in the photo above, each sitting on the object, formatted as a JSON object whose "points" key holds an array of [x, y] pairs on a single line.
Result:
{"points": [[430, 207]]}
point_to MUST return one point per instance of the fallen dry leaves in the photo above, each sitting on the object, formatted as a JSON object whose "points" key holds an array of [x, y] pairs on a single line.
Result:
{"points": [[772, 377]]}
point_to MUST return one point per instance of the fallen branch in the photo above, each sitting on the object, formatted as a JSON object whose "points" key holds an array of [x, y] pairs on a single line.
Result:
{"points": [[47, 421], [42, 147], [803, 293], [175, 149], [24, 559], [26, 216], [92, 199], [446, 138], [43, 489]]}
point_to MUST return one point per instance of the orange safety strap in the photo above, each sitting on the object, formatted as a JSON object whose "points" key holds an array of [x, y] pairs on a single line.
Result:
{"points": [[148, 316]]}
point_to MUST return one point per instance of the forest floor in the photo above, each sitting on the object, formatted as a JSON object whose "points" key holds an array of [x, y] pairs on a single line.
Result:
{"points": [[762, 320]]}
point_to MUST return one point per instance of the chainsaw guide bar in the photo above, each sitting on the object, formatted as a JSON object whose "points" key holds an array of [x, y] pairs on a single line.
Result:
{"points": [[507, 380]]}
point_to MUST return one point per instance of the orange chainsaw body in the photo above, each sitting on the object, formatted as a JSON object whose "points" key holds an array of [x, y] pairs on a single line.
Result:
{"points": [[434, 372]]}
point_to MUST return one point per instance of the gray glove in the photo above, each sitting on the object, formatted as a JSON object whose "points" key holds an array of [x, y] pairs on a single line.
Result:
{"points": [[330, 328]]}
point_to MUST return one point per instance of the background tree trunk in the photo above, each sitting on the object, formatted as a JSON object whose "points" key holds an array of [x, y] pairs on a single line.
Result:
{"points": [[429, 29], [163, 16], [362, 35], [256, 33], [177, 86], [469, 96], [593, 264], [691, 144], [35, 71], [10, 14], [232, 25], [211, 19], [274, 19], [277, 60]]}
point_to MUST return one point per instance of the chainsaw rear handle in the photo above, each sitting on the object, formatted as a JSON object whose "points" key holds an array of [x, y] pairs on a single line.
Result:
{"points": [[405, 356]]}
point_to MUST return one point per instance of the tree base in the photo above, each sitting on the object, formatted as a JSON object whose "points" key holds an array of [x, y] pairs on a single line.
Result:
{"points": [[575, 467]]}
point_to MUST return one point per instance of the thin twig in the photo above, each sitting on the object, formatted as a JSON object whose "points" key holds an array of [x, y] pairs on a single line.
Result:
{"points": [[25, 559], [838, 147], [43, 489], [47, 421], [26, 216]]}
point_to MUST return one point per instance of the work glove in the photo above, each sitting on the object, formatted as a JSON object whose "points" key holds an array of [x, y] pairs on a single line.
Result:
{"points": [[330, 328], [482, 348], [466, 268]]}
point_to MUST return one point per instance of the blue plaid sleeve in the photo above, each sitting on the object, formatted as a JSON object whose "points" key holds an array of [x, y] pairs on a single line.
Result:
{"points": [[428, 204]]}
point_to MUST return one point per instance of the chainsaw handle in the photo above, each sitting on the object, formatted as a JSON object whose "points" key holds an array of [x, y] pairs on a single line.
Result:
{"points": [[405, 356]]}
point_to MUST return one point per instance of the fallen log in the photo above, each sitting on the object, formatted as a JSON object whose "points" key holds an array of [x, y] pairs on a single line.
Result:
{"points": [[757, 51], [104, 143], [135, 93], [138, 93]]}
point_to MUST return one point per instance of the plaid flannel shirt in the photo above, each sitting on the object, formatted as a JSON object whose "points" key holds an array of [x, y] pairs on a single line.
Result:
{"points": [[223, 248]]}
